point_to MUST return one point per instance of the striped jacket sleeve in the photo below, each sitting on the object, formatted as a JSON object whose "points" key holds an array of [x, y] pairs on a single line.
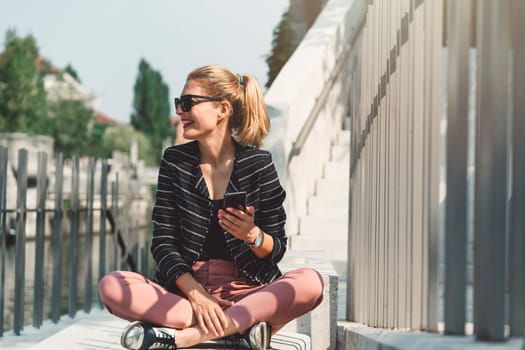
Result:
{"points": [[271, 217], [166, 226]]}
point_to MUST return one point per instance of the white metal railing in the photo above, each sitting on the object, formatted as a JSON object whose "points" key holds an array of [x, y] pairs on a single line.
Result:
{"points": [[398, 102], [66, 247]]}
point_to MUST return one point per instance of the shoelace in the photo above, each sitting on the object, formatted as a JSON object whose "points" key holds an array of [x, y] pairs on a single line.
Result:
{"points": [[163, 339]]}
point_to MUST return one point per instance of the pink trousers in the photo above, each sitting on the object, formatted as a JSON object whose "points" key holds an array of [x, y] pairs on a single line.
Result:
{"points": [[131, 296]]}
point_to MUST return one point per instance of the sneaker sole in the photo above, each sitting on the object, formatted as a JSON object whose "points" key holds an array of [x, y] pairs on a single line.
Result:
{"points": [[126, 331]]}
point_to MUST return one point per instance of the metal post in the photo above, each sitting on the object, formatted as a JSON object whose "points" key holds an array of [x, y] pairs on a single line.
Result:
{"points": [[38, 293], [458, 34], [433, 56], [73, 251], [517, 219], [56, 294], [404, 210], [114, 209], [491, 169], [103, 209], [417, 207], [88, 283], [394, 129], [390, 270], [3, 233], [20, 248]]}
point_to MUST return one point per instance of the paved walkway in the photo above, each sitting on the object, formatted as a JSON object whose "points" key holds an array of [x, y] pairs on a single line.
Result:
{"points": [[96, 330], [100, 330]]}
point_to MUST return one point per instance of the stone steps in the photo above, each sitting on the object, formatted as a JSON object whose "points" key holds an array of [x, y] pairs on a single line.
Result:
{"points": [[325, 226]]}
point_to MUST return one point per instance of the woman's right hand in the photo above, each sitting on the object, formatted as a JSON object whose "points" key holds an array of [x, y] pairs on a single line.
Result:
{"points": [[208, 312]]}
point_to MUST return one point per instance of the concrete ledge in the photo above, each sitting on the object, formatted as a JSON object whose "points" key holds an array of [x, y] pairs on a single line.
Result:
{"points": [[321, 323], [355, 336]]}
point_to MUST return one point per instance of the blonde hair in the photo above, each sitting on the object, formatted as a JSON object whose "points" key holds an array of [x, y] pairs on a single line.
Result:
{"points": [[249, 122]]}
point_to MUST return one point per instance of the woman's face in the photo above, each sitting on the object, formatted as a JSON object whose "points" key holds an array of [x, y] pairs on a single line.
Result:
{"points": [[204, 118]]}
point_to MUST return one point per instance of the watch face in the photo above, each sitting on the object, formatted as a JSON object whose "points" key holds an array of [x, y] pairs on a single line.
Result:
{"points": [[258, 240]]}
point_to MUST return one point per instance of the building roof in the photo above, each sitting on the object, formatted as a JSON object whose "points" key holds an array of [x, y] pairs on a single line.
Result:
{"points": [[104, 119]]}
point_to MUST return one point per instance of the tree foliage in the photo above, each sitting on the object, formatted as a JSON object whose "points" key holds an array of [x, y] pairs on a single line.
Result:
{"points": [[282, 48], [72, 124], [151, 106], [23, 105], [97, 146], [71, 71], [119, 138]]}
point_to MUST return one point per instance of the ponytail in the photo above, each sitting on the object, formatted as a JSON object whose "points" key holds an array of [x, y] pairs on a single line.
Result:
{"points": [[255, 124], [249, 122]]}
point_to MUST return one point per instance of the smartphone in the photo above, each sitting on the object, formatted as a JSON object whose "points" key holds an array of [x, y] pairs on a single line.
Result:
{"points": [[235, 200]]}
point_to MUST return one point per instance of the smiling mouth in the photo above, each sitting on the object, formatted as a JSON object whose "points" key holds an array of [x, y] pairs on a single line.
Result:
{"points": [[186, 123]]}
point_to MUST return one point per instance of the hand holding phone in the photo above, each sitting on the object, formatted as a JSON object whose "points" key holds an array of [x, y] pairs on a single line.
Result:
{"points": [[236, 200]]}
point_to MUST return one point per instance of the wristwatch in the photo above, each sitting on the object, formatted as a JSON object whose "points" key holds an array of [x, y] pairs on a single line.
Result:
{"points": [[258, 240]]}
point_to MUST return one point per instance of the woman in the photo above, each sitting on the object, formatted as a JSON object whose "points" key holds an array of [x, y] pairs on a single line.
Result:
{"points": [[217, 272]]}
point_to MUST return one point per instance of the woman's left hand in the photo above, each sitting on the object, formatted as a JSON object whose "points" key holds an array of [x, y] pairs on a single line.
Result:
{"points": [[239, 223]]}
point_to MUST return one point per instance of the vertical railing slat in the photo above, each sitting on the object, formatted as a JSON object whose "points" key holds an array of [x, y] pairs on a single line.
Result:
{"points": [[20, 249], [491, 169], [458, 35], [389, 273], [433, 38], [383, 119], [88, 283], [103, 209], [114, 210], [417, 176], [56, 293], [517, 213], [3, 232], [73, 238], [395, 90], [38, 291], [403, 211], [406, 151]]}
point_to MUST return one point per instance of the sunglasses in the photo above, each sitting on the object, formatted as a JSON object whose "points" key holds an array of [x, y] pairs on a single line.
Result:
{"points": [[186, 102]]}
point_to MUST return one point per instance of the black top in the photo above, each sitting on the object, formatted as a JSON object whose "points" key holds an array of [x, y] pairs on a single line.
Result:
{"points": [[215, 244]]}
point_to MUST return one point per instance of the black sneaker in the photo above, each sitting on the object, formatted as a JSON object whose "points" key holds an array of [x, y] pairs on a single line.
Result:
{"points": [[142, 336], [257, 337]]}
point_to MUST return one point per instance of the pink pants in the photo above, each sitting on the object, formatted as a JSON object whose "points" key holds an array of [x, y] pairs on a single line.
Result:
{"points": [[131, 296]]}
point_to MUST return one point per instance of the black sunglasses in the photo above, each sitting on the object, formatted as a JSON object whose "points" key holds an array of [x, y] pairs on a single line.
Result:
{"points": [[186, 102]]}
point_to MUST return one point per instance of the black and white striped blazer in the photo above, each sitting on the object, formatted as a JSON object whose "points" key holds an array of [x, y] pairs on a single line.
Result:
{"points": [[182, 213]]}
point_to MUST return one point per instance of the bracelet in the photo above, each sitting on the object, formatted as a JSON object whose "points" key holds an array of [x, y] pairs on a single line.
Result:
{"points": [[258, 240]]}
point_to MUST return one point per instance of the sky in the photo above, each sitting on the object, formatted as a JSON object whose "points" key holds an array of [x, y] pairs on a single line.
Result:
{"points": [[104, 40]]}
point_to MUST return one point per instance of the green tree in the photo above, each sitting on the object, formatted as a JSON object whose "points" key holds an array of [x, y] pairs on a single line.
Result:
{"points": [[282, 48], [72, 123], [71, 71], [23, 105], [119, 138], [151, 106], [97, 146]]}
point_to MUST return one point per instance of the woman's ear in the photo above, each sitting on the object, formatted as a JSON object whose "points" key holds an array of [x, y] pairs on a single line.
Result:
{"points": [[225, 109]]}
